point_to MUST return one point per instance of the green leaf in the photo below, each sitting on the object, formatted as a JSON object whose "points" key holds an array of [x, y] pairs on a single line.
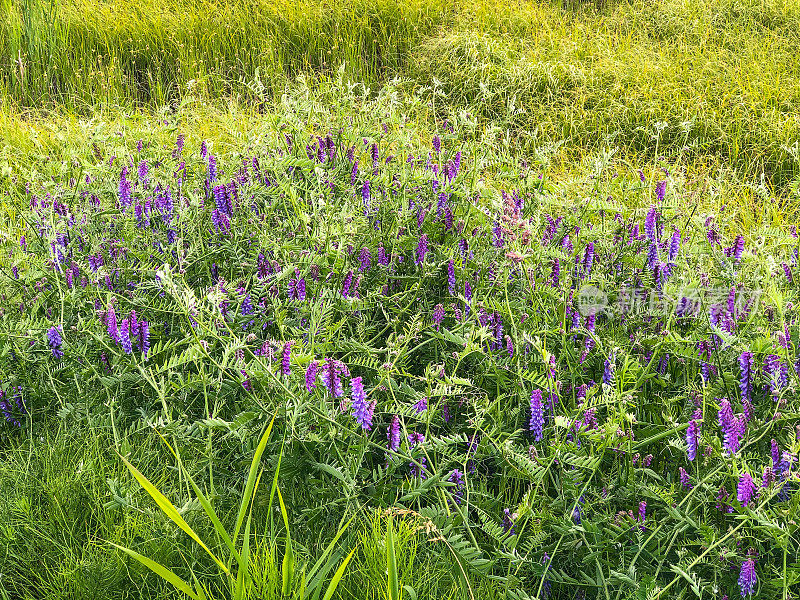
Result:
{"points": [[162, 571]]}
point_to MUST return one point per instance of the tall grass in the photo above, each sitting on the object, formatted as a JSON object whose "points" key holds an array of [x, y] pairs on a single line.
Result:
{"points": [[713, 81], [88, 51]]}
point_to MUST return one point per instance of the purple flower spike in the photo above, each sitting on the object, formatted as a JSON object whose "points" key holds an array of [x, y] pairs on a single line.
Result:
{"points": [[746, 489], [746, 375], [692, 439], [125, 336], [393, 434], [332, 371], [661, 190], [748, 578], [422, 249], [421, 405], [362, 410], [54, 341], [286, 358], [650, 224], [451, 277], [684, 476], [144, 338], [311, 375], [438, 315], [536, 424]]}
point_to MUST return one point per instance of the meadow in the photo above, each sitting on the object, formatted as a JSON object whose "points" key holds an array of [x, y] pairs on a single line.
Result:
{"points": [[414, 299]]}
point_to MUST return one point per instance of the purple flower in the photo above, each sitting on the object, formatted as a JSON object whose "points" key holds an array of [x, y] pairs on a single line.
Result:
{"points": [[422, 249], [54, 341], [732, 428], [608, 370], [684, 476], [111, 323], [124, 188], [383, 258], [451, 277], [125, 336], [457, 477], [787, 271], [438, 315], [536, 424], [393, 434], [437, 144], [748, 578], [692, 435], [674, 246], [746, 489], [421, 405], [777, 464], [286, 366], [348, 282], [143, 171], [650, 224], [332, 371], [366, 260], [311, 375], [746, 375], [661, 190], [555, 273], [738, 248], [362, 410], [212, 168], [642, 512], [777, 372]]}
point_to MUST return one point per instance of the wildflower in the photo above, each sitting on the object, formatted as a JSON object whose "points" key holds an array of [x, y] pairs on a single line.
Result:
{"points": [[777, 464], [738, 248], [451, 277], [348, 281], [746, 489], [311, 375], [437, 144], [732, 428], [438, 315], [692, 439], [748, 578], [457, 477], [144, 338], [684, 476], [143, 171], [555, 273], [608, 370], [383, 258], [111, 324], [508, 521], [124, 188], [362, 410], [674, 246], [768, 477], [393, 434], [661, 190], [650, 224], [642, 513], [588, 259], [212, 168], [746, 375], [777, 372], [421, 405], [536, 424], [332, 371], [422, 249], [125, 336], [286, 367], [365, 259], [54, 341]]}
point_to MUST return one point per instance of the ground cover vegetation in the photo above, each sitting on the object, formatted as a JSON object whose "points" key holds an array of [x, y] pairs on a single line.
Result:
{"points": [[399, 300]]}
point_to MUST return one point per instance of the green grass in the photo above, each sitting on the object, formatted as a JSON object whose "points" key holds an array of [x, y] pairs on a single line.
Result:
{"points": [[715, 81]]}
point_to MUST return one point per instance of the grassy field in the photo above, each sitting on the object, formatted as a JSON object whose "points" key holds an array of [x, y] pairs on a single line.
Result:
{"points": [[397, 300]]}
